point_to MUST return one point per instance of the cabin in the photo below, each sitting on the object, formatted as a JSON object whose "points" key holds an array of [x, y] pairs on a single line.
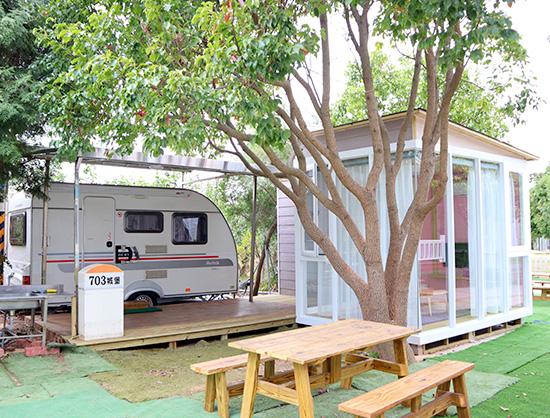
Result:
{"points": [[472, 269]]}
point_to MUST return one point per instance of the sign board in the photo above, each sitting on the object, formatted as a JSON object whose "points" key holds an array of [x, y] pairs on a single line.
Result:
{"points": [[100, 276]]}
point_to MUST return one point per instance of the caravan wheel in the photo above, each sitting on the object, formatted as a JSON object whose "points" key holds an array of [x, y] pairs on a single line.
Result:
{"points": [[148, 297]]}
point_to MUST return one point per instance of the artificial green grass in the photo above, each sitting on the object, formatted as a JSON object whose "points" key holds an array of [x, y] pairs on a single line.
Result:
{"points": [[526, 399]]}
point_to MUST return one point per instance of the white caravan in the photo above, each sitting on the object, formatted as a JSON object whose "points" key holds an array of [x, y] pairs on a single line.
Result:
{"points": [[168, 242]]}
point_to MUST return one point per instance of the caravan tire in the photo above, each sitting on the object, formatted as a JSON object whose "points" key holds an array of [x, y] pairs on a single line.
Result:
{"points": [[149, 297]]}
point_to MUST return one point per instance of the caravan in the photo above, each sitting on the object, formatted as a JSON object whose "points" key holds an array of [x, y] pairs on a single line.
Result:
{"points": [[168, 242]]}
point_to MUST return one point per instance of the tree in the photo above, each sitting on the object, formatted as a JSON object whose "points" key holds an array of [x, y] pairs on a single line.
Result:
{"points": [[480, 107], [20, 83], [234, 196], [194, 75], [540, 205]]}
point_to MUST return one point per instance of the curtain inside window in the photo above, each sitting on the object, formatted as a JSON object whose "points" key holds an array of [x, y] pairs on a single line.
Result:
{"points": [[348, 303], [493, 238]]}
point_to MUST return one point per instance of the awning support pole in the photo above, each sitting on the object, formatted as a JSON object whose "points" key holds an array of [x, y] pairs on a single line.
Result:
{"points": [[253, 240], [74, 301], [45, 227]]}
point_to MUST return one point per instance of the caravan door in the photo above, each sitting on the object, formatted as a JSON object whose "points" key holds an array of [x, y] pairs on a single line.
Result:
{"points": [[99, 229]]}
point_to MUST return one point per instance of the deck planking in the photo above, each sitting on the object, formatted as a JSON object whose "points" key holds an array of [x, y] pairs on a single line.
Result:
{"points": [[189, 320]]}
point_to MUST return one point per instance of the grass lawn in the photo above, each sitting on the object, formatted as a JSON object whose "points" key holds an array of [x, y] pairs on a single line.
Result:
{"points": [[148, 374], [511, 380]]}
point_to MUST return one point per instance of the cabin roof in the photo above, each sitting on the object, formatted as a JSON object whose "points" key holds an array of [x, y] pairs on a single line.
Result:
{"points": [[421, 113]]}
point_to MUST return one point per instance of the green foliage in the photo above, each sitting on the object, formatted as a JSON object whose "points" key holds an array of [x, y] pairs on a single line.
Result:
{"points": [[234, 196], [140, 69], [474, 106], [19, 167], [540, 205], [20, 83]]}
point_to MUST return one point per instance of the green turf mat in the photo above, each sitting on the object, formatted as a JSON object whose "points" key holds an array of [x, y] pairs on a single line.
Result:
{"points": [[87, 403], [262, 403], [131, 311], [72, 363], [541, 311], [176, 407], [509, 352], [99, 403], [35, 392], [526, 399]]}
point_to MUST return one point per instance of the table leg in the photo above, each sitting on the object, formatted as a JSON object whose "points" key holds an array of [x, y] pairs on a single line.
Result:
{"points": [[400, 349], [303, 389], [401, 354], [250, 385], [335, 369]]}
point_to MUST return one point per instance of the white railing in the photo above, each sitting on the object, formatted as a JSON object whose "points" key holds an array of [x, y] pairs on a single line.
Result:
{"points": [[540, 263], [432, 249]]}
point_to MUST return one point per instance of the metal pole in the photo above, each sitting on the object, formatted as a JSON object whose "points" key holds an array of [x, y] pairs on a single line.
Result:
{"points": [[45, 227], [253, 239], [74, 301]]}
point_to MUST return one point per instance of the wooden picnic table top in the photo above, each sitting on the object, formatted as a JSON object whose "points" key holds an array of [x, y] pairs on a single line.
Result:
{"points": [[314, 344]]}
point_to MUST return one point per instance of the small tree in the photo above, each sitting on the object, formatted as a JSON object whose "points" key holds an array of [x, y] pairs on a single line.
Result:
{"points": [[540, 205], [234, 196], [194, 75], [478, 104]]}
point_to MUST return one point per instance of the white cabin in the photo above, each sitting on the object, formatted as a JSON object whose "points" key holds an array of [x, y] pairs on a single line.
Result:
{"points": [[472, 269]]}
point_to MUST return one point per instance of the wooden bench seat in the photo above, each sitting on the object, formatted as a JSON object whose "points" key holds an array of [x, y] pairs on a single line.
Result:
{"points": [[544, 288], [216, 381], [410, 388]]}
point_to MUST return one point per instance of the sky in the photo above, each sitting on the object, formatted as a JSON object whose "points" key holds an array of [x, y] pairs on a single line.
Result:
{"points": [[530, 19]]}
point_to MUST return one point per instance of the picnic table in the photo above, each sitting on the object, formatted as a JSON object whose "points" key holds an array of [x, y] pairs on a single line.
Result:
{"points": [[321, 346]]}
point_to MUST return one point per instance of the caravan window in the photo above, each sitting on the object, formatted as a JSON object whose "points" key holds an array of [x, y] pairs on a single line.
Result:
{"points": [[18, 229], [189, 228], [145, 222]]}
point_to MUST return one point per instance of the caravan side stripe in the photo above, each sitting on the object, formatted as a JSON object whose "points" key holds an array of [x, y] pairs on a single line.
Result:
{"points": [[89, 260]]}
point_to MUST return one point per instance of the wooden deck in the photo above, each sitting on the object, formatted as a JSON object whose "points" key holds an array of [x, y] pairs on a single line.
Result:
{"points": [[187, 321]]}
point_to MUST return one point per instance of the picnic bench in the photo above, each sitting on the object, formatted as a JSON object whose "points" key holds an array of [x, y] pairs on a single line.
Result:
{"points": [[410, 388], [543, 287], [217, 388], [316, 355]]}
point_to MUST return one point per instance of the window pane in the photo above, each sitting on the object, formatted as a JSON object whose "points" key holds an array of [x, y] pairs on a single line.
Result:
{"points": [[432, 260], [189, 228], [516, 192], [318, 288], [144, 222], [465, 226], [18, 229], [517, 273], [493, 238], [309, 245]]}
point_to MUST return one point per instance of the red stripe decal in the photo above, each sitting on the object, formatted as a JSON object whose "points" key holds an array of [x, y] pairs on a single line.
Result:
{"points": [[141, 259]]}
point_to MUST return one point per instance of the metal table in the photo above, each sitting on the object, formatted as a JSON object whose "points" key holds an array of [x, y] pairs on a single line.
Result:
{"points": [[13, 298]]}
